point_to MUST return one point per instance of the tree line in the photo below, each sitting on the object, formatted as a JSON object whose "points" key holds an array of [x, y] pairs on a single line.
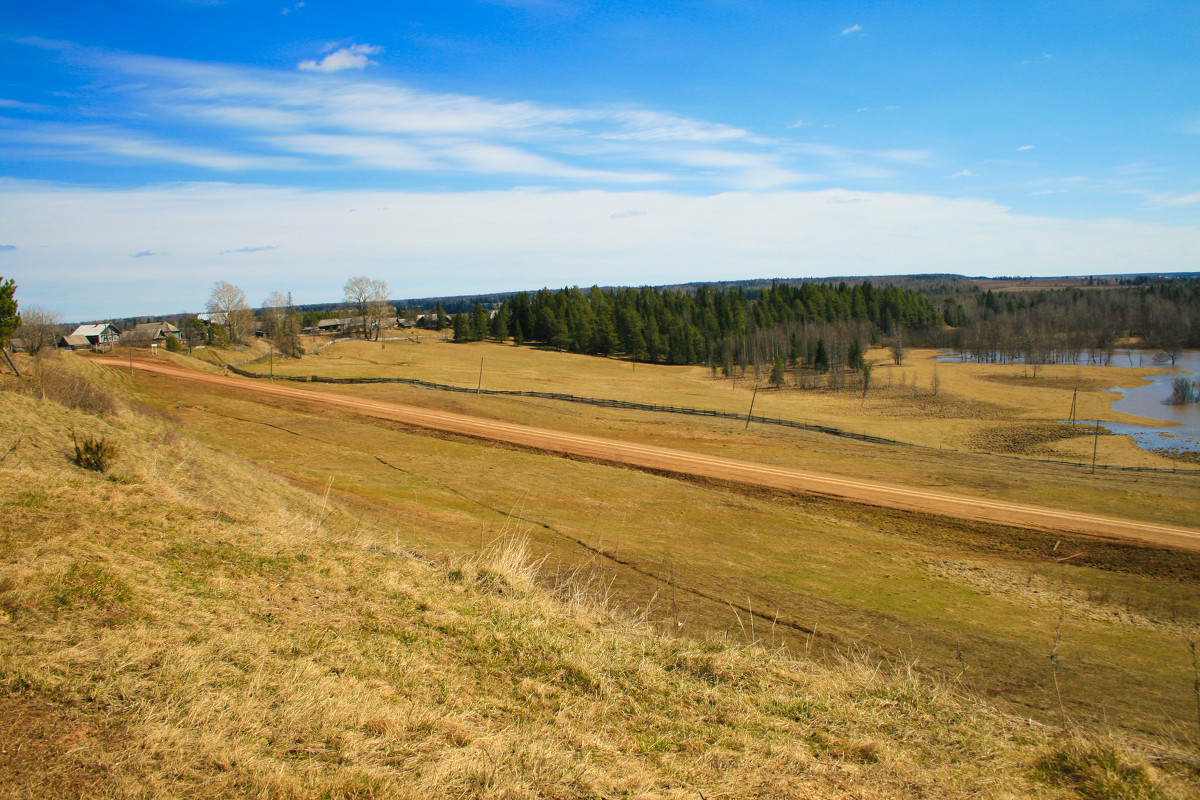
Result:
{"points": [[812, 323], [1071, 325]]}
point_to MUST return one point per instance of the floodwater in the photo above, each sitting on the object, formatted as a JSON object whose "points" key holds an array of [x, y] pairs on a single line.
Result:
{"points": [[1180, 428], [1147, 401]]}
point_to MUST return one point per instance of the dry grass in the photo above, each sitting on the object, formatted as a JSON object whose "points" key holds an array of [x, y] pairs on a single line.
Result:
{"points": [[857, 576], [191, 626], [924, 402]]}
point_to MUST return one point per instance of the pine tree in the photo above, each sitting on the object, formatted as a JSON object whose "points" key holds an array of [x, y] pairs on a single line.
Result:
{"points": [[10, 320], [777, 374], [821, 359]]}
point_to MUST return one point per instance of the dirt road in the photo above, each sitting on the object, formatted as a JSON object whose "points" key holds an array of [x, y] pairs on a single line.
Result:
{"points": [[700, 465]]}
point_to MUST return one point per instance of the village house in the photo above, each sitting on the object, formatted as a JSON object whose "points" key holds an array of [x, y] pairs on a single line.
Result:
{"points": [[146, 334], [69, 341], [99, 336]]}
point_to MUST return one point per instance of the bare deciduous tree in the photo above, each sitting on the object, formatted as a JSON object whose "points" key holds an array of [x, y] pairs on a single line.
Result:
{"points": [[281, 323], [273, 314], [369, 298], [227, 304], [39, 328]]}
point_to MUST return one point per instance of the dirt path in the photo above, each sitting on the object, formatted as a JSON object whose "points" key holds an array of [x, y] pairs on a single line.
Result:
{"points": [[700, 465]]}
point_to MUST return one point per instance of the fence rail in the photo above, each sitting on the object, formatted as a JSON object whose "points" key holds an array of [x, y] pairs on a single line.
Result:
{"points": [[699, 412]]}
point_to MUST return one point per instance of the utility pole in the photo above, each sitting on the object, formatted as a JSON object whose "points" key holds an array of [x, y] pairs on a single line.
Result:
{"points": [[751, 412], [1095, 446], [479, 385], [1074, 397]]}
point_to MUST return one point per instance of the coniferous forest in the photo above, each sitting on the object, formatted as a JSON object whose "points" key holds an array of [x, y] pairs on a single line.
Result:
{"points": [[826, 327], [814, 324]]}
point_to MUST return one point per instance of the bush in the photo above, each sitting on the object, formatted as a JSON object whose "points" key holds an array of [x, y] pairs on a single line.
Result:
{"points": [[173, 344], [1184, 391], [92, 453]]}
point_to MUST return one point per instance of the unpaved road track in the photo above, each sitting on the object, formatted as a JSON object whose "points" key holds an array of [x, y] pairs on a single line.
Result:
{"points": [[696, 464]]}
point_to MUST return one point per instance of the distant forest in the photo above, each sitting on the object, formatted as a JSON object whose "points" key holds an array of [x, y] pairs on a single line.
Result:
{"points": [[826, 327], [1072, 325]]}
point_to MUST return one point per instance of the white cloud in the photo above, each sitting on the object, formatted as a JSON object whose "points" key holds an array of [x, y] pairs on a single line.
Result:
{"points": [[290, 9], [442, 243], [627, 214], [285, 120], [353, 57], [258, 249], [92, 143], [852, 29], [908, 156], [966, 173], [1024, 147], [32, 108]]}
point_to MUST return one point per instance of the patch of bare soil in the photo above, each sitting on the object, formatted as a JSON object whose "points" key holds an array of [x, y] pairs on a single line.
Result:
{"points": [[52, 750], [1022, 438]]}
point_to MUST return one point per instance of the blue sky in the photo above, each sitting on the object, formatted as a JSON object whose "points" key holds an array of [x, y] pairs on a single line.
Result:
{"points": [[151, 147]]}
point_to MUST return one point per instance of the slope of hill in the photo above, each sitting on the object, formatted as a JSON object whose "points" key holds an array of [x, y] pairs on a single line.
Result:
{"points": [[183, 623]]}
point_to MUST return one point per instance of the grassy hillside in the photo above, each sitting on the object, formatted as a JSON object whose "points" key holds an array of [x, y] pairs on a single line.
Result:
{"points": [[983, 606], [186, 624]]}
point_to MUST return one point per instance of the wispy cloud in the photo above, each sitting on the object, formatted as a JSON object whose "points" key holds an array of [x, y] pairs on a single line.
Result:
{"points": [[143, 254], [966, 173], [324, 119], [32, 108], [258, 249], [852, 29], [627, 214], [289, 9], [1024, 147], [111, 143], [356, 56]]}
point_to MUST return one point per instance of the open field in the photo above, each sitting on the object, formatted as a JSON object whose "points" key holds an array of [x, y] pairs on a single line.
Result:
{"points": [[956, 406], [981, 605], [990, 407], [692, 465], [185, 624]]}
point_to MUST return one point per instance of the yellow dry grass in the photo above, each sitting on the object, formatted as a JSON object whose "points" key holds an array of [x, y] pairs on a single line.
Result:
{"points": [[924, 402], [906, 587], [196, 627]]}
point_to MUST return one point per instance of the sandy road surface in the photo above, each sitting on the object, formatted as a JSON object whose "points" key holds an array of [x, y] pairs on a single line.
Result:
{"points": [[700, 465]]}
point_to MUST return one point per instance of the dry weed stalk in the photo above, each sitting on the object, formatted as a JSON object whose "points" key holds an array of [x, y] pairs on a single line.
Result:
{"points": [[1054, 665]]}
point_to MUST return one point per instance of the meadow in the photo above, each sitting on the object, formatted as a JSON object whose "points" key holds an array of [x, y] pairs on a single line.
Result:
{"points": [[983, 606], [213, 616]]}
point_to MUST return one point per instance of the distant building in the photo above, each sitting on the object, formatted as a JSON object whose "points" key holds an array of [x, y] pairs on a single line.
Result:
{"points": [[146, 334], [335, 325], [99, 336], [72, 342]]}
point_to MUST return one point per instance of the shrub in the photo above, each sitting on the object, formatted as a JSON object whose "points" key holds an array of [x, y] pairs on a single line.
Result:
{"points": [[92, 453], [1184, 391], [173, 344]]}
